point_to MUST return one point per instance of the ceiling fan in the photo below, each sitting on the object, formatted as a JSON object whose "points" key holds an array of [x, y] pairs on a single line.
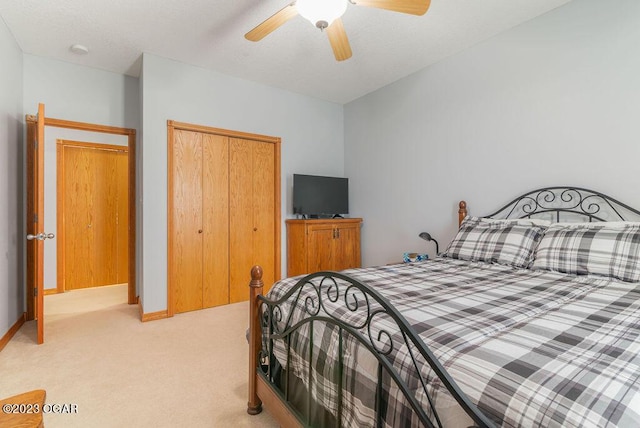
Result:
{"points": [[325, 14]]}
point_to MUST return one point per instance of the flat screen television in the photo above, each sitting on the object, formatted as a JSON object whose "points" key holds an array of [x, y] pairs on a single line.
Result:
{"points": [[318, 196]]}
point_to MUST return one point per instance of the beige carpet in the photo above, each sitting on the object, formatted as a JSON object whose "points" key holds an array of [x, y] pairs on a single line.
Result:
{"points": [[186, 371]]}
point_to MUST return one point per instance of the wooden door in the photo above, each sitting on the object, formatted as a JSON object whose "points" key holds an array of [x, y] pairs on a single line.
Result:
{"points": [[347, 247], [263, 198], [35, 220], [199, 231], [104, 213], [92, 201], [186, 227], [75, 267], [321, 242], [252, 216], [238, 204], [215, 214], [241, 219]]}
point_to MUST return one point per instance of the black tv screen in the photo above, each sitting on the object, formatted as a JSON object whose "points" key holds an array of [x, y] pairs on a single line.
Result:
{"points": [[320, 196]]}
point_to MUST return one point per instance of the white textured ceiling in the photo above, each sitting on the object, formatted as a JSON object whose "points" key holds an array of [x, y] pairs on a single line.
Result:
{"points": [[210, 33]]}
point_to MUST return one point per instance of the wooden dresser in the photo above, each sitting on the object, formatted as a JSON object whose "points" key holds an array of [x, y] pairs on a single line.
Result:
{"points": [[322, 244]]}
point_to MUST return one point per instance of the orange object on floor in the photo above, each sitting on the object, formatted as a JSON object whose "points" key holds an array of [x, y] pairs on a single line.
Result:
{"points": [[23, 410]]}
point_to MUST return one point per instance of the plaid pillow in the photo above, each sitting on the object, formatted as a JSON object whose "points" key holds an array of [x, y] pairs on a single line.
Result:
{"points": [[486, 240], [611, 250]]}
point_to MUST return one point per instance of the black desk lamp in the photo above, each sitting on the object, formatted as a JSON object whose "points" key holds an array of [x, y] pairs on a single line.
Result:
{"points": [[427, 237]]}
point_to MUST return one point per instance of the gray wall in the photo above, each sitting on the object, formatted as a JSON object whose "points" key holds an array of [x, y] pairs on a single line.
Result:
{"points": [[81, 94], [311, 130], [554, 101], [12, 232]]}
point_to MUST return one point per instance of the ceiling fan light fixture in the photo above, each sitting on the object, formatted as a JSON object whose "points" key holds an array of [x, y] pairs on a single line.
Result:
{"points": [[321, 13]]}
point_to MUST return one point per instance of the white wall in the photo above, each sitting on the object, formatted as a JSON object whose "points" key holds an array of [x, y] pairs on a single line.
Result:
{"points": [[12, 232], [554, 101], [311, 130]]}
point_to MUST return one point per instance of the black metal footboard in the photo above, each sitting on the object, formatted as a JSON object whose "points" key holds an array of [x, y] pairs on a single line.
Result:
{"points": [[337, 353]]}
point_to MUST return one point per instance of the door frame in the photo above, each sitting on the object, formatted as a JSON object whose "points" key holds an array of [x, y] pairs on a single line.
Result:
{"points": [[132, 297], [60, 208], [276, 141]]}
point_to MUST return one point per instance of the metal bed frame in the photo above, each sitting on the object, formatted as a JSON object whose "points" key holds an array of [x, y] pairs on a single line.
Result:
{"points": [[554, 202], [323, 290]]}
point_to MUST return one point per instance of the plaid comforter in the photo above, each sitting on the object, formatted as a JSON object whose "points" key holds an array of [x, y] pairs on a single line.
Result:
{"points": [[530, 348]]}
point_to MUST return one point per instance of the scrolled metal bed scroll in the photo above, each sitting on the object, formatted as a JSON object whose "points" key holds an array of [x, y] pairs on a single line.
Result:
{"points": [[554, 202]]}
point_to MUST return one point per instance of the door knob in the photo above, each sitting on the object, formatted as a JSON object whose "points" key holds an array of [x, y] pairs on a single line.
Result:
{"points": [[40, 236]]}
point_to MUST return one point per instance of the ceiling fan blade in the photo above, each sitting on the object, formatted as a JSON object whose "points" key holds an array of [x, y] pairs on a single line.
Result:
{"points": [[339, 41], [413, 7], [272, 23]]}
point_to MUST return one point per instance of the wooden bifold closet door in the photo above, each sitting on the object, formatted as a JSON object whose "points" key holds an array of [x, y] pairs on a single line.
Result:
{"points": [[252, 225], [200, 214], [223, 215]]}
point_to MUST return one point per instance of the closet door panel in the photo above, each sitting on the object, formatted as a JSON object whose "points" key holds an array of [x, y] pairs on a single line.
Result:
{"points": [[105, 212], [78, 201], [224, 188], [263, 209], [187, 221], [240, 218], [215, 212]]}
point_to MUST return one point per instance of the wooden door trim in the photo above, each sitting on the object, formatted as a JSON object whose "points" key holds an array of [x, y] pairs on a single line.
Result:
{"points": [[92, 127], [277, 210], [219, 131], [171, 304], [132, 297], [61, 187], [89, 145], [276, 141]]}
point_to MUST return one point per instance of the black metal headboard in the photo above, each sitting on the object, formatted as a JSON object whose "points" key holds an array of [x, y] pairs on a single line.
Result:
{"points": [[567, 204]]}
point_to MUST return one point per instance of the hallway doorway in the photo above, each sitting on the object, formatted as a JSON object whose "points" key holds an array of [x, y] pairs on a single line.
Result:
{"points": [[38, 219], [92, 215]]}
